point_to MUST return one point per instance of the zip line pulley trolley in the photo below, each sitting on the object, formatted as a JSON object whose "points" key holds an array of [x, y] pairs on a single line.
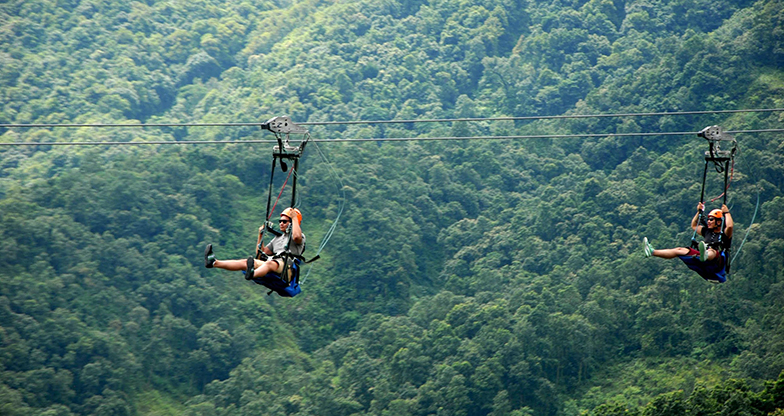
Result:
{"points": [[284, 151]]}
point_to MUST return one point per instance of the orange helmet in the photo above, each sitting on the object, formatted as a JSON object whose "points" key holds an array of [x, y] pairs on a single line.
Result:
{"points": [[716, 213], [290, 212]]}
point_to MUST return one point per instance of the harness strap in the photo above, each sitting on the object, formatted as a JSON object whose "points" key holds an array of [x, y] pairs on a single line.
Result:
{"points": [[273, 231], [694, 242]]}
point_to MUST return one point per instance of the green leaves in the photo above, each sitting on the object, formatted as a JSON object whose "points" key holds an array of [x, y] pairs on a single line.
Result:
{"points": [[472, 277]]}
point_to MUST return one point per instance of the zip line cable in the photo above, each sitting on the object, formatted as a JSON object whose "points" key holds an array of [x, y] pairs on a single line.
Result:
{"points": [[432, 120], [341, 203], [564, 116], [386, 139]]}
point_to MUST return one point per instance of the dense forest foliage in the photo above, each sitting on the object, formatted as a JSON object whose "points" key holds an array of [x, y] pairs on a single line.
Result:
{"points": [[465, 277]]}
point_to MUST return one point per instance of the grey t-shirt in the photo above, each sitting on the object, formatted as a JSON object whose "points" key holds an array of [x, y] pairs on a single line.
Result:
{"points": [[278, 245]]}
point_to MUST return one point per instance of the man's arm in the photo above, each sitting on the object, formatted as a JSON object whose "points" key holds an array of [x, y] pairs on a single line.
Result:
{"points": [[728, 223], [261, 248], [296, 230], [695, 222]]}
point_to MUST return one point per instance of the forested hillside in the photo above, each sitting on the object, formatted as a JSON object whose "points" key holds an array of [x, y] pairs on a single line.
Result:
{"points": [[465, 277]]}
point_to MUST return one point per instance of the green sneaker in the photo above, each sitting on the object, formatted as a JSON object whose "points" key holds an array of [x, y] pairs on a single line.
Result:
{"points": [[209, 258], [703, 251], [647, 247]]}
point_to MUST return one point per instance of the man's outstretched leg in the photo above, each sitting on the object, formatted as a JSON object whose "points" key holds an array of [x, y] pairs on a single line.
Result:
{"points": [[667, 253]]}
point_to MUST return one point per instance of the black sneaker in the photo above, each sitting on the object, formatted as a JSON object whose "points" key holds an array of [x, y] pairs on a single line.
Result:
{"points": [[250, 269], [209, 258]]}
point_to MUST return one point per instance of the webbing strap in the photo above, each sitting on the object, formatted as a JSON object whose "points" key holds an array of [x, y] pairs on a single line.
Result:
{"points": [[724, 220], [259, 251], [702, 211], [269, 190], [704, 176]]}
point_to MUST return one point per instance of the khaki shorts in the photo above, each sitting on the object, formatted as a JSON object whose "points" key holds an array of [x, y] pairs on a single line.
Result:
{"points": [[276, 269]]}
